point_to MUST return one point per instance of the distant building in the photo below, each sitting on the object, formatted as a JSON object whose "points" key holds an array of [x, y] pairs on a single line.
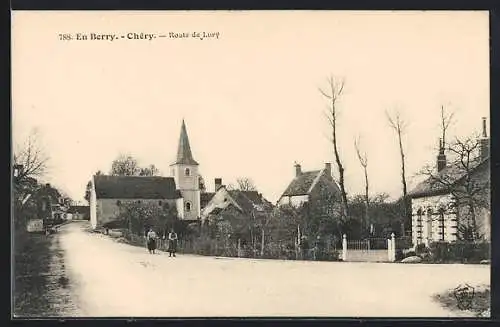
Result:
{"points": [[235, 210], [437, 213], [250, 204], [317, 188], [79, 212], [182, 190]]}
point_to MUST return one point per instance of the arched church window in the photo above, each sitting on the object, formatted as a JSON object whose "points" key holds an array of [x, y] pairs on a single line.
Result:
{"points": [[188, 206], [160, 203], [187, 172]]}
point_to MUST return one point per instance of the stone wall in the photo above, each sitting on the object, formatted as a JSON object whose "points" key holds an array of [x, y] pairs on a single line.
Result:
{"points": [[109, 209]]}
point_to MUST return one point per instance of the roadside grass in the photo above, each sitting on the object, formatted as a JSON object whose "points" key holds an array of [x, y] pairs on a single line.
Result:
{"points": [[31, 264], [481, 301], [40, 285]]}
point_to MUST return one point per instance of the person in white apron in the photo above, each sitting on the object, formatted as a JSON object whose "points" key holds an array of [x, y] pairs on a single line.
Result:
{"points": [[151, 240]]}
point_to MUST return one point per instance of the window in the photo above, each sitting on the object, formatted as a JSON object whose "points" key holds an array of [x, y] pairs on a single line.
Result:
{"points": [[188, 206], [139, 201], [187, 172], [429, 224], [118, 203], [419, 225], [441, 223], [160, 203]]}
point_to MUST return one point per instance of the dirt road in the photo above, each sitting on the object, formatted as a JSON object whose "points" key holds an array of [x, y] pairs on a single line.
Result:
{"points": [[113, 279]]}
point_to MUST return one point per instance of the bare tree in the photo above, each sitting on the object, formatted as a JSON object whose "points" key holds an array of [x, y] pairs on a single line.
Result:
{"points": [[363, 161], [398, 124], [151, 170], [446, 121], [245, 184], [125, 165], [333, 93], [31, 159], [470, 193], [201, 184]]}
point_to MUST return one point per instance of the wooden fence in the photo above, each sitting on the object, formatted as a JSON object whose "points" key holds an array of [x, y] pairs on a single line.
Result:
{"points": [[233, 248], [368, 250]]}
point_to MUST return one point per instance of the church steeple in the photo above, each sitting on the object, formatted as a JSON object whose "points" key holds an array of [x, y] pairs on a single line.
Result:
{"points": [[184, 155]]}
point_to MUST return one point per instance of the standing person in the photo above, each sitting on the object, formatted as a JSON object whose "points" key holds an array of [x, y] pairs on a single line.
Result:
{"points": [[151, 240], [172, 243]]}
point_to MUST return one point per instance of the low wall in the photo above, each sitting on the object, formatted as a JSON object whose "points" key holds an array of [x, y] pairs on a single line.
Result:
{"points": [[367, 255]]}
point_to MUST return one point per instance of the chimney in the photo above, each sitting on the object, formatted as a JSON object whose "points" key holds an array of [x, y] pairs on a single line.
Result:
{"points": [[484, 147], [441, 158], [328, 169], [298, 169], [218, 184]]}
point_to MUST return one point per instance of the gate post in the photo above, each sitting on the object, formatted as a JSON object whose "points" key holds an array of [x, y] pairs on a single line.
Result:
{"points": [[389, 250], [393, 250], [344, 247]]}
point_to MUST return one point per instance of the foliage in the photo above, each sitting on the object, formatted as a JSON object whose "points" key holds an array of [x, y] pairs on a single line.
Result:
{"points": [[385, 216], [461, 251], [126, 165], [88, 187], [138, 217], [201, 184], [151, 170], [470, 192]]}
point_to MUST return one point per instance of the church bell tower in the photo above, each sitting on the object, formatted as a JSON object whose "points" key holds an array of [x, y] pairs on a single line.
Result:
{"points": [[185, 172]]}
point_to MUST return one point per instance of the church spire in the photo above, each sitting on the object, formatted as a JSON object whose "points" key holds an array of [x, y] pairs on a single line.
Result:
{"points": [[184, 155]]}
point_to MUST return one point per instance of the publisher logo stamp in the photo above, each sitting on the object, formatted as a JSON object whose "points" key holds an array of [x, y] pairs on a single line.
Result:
{"points": [[464, 295]]}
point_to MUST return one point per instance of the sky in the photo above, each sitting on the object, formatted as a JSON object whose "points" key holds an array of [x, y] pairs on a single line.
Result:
{"points": [[250, 97]]}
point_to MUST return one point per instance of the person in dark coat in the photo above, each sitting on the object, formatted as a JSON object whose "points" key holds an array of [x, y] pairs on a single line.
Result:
{"points": [[172, 243], [151, 240]]}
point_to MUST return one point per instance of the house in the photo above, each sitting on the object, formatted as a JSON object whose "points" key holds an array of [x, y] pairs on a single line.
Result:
{"points": [[441, 203], [316, 187], [205, 196], [181, 189], [51, 207], [235, 205], [78, 212]]}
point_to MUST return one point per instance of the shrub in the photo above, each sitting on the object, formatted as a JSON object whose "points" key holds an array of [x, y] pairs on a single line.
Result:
{"points": [[410, 254], [399, 255], [420, 248], [460, 251]]}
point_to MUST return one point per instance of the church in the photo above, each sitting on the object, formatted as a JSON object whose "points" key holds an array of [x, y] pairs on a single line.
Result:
{"points": [[181, 189]]}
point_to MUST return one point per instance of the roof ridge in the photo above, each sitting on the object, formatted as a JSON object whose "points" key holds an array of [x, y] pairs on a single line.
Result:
{"points": [[315, 181]]}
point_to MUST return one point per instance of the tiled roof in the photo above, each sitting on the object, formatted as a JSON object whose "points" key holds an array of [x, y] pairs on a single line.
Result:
{"points": [[246, 201], [250, 200], [205, 197], [301, 184], [450, 175], [135, 187]]}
